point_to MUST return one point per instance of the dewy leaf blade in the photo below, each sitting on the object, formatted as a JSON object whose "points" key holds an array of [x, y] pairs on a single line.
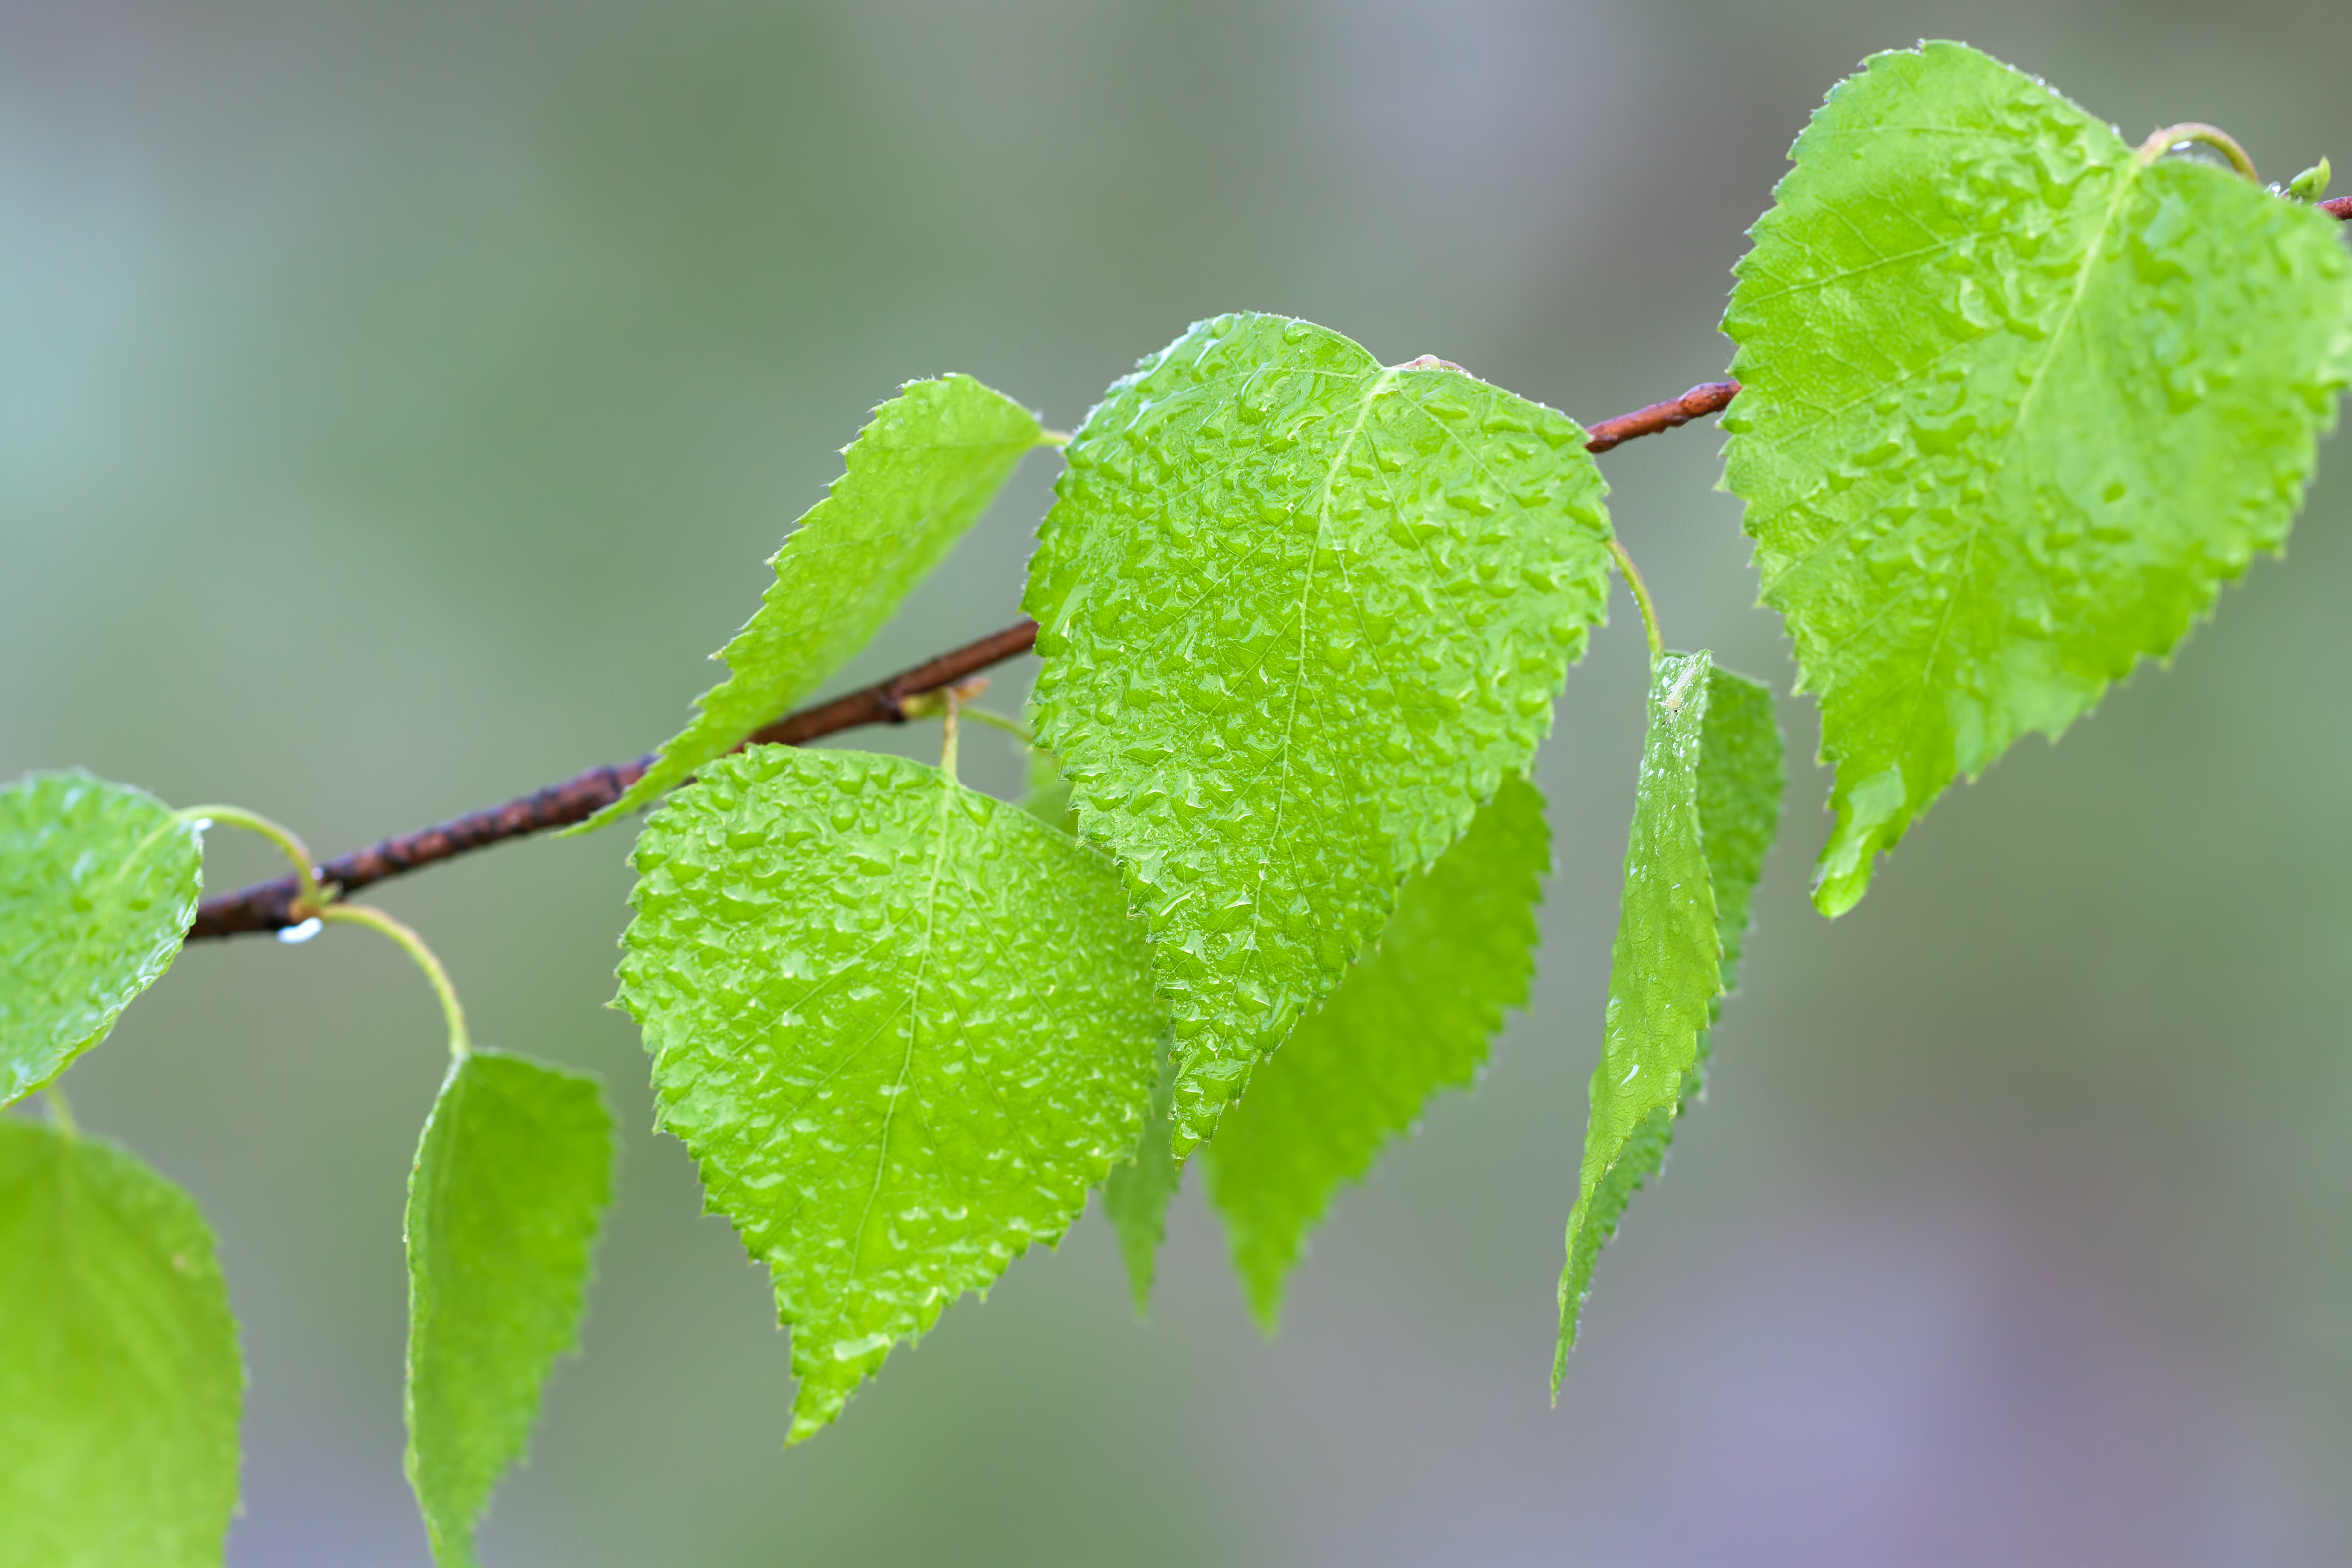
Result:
{"points": [[1411, 1020], [512, 1178], [99, 883], [904, 1028], [119, 1382], [2015, 405], [1137, 1193], [1705, 815], [919, 475], [1299, 613]]}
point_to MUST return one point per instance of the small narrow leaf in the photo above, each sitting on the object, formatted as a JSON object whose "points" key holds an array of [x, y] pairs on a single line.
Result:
{"points": [[1137, 1193], [919, 475], [1412, 1020], [119, 1382], [1704, 816], [511, 1181], [99, 883], [904, 1028], [2015, 405], [1299, 613]]}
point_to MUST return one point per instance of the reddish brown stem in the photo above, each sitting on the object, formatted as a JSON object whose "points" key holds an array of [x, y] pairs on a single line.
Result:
{"points": [[1708, 398], [267, 906], [2340, 208]]}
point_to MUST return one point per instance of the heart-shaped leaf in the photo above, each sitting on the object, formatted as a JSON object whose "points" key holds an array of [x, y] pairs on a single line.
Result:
{"points": [[1301, 615], [2017, 401], [903, 1026]]}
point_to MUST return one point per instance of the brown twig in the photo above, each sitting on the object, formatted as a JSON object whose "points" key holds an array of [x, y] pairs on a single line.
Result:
{"points": [[267, 906], [2340, 208], [1708, 398]]}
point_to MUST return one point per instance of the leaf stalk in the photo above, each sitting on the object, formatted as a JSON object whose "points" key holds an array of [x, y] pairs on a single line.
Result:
{"points": [[1641, 597], [2213, 136], [307, 895], [376, 920]]}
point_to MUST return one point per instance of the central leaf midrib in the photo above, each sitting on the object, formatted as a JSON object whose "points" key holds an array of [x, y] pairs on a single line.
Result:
{"points": [[2125, 184], [1306, 594]]}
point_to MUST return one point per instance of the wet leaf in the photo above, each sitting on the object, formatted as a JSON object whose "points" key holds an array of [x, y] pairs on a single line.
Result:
{"points": [[903, 1026], [99, 883], [2016, 405], [1301, 615], [1705, 815]]}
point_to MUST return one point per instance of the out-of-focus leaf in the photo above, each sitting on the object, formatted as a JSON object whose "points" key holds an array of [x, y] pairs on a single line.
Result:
{"points": [[511, 1181], [119, 1382], [99, 883]]}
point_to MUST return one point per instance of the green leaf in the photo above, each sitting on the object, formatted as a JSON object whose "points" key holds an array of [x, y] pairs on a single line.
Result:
{"points": [[921, 473], [903, 1026], [1411, 1020], [1299, 615], [1705, 814], [1137, 1193], [511, 1181], [2015, 405], [119, 1382], [99, 883]]}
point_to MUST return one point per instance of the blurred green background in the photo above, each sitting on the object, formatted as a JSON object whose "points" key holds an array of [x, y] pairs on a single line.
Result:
{"points": [[397, 402]]}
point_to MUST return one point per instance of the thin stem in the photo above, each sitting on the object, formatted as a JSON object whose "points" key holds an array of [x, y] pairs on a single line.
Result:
{"points": [[1004, 721], [375, 919], [1641, 597], [951, 709], [289, 844], [2213, 136], [60, 1113]]}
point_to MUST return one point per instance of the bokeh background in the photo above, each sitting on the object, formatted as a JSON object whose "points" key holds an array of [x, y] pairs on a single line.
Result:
{"points": [[396, 404]]}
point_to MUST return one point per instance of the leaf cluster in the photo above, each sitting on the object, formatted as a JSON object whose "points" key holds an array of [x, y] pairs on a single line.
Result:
{"points": [[2017, 399]]}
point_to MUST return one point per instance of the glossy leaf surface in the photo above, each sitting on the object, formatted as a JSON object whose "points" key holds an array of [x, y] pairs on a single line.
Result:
{"points": [[2016, 405], [119, 1382], [903, 1026], [919, 473], [1412, 1020], [1301, 615], [1706, 813], [98, 883], [512, 1178]]}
